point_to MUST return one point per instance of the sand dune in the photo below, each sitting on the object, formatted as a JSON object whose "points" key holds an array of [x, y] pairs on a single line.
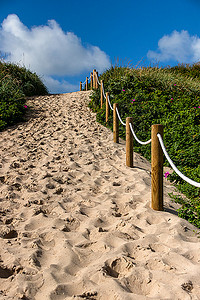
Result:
{"points": [[75, 222]]}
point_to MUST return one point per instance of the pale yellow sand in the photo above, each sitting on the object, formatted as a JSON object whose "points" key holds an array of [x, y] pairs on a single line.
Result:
{"points": [[75, 222]]}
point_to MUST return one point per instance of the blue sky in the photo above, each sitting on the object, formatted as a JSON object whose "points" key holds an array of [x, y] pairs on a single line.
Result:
{"points": [[64, 40]]}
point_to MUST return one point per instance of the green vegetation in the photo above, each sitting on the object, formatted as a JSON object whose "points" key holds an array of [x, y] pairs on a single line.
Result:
{"points": [[168, 96], [16, 83]]}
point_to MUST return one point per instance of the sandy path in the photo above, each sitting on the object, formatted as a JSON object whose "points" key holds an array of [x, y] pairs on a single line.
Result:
{"points": [[75, 222]]}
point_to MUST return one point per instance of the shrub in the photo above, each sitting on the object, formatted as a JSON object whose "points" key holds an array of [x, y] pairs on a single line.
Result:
{"points": [[30, 83], [16, 83]]}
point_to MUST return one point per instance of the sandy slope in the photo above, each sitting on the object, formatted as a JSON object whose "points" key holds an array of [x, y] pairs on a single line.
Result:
{"points": [[75, 222]]}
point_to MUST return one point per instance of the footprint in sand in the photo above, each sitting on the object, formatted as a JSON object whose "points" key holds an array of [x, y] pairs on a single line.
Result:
{"points": [[119, 267], [8, 233]]}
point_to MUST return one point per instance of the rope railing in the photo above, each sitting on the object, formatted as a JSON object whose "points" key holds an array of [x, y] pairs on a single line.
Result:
{"points": [[86, 84], [93, 81], [120, 117], [109, 102], [103, 89], [97, 78], [190, 181], [84, 81], [157, 146], [140, 142]]}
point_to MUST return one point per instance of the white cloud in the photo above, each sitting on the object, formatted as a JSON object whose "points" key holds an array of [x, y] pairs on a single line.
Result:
{"points": [[60, 86], [179, 47], [48, 50]]}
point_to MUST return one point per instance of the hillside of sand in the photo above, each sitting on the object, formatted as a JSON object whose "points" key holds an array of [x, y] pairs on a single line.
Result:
{"points": [[76, 223]]}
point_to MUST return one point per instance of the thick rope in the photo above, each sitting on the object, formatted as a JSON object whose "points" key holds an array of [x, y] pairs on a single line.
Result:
{"points": [[84, 82], [103, 90], [140, 142], [109, 103], [197, 184], [120, 117], [97, 79]]}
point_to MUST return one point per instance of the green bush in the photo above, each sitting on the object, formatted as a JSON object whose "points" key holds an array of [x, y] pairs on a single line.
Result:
{"points": [[16, 83], [160, 96], [30, 83]]}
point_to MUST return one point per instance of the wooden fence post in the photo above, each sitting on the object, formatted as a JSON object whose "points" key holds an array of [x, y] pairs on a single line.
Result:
{"points": [[80, 85], [86, 84], [94, 79], [156, 168], [107, 108], [91, 81], [101, 93], [129, 143], [97, 85], [115, 124]]}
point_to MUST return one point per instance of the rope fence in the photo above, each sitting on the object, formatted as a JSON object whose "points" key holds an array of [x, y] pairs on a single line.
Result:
{"points": [[140, 142], [157, 144]]}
